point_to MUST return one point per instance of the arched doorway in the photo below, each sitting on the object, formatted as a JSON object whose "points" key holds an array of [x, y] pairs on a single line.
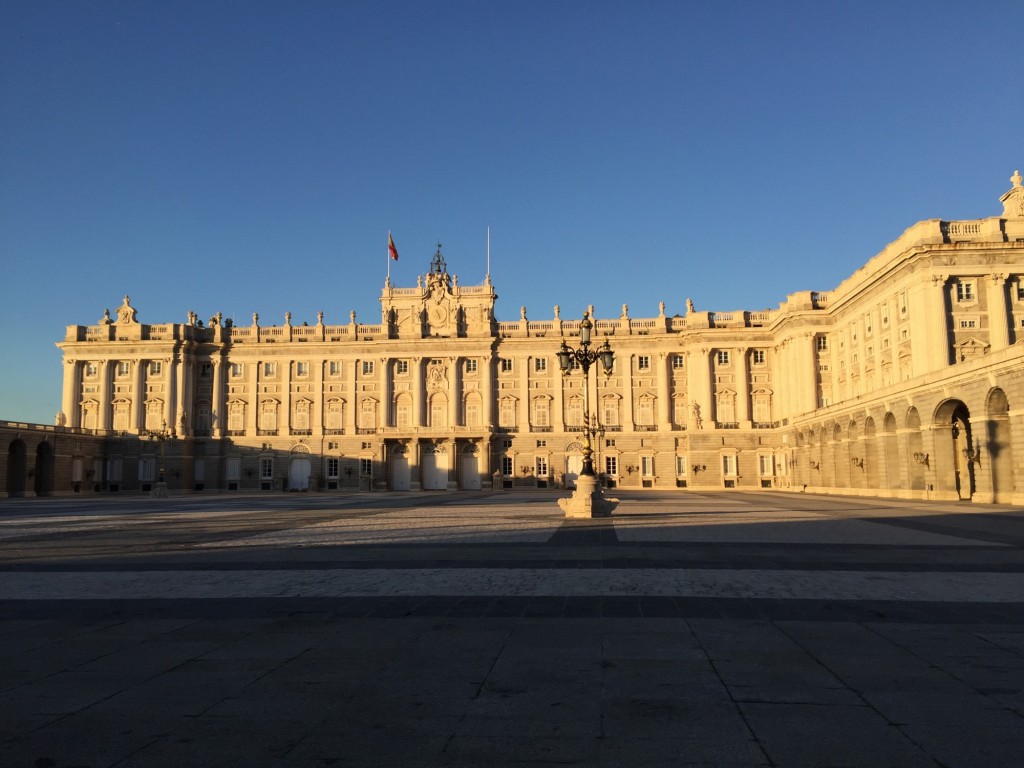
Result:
{"points": [[956, 450], [433, 468], [573, 463], [17, 467], [299, 469], [871, 453], [890, 453], [470, 473], [999, 446], [400, 480], [915, 445], [44, 469]]}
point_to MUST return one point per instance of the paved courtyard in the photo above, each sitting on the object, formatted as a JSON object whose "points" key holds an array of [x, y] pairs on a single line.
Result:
{"points": [[720, 629]]}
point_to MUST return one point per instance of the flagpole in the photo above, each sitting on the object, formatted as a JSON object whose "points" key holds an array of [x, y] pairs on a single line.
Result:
{"points": [[488, 252], [388, 256]]}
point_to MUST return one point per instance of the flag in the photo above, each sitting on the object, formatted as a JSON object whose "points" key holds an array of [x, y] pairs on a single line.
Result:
{"points": [[392, 251]]}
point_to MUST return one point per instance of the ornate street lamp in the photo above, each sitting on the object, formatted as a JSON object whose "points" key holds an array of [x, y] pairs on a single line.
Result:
{"points": [[161, 436], [587, 500]]}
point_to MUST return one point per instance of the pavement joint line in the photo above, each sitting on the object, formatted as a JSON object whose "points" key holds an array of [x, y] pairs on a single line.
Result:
{"points": [[778, 584]]}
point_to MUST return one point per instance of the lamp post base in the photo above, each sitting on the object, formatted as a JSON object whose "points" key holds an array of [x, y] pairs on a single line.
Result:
{"points": [[160, 490], [587, 500]]}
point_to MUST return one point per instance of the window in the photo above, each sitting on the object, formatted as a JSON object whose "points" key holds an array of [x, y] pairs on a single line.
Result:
{"points": [[123, 369], [402, 366], [205, 370], [968, 323], [541, 412], [964, 291], [237, 369], [729, 465], [506, 466], [367, 367], [266, 469], [366, 467], [403, 412], [609, 443], [611, 465], [506, 365], [155, 367], [542, 466], [471, 366], [90, 369], [758, 357], [647, 466], [147, 469], [643, 363], [332, 468], [367, 446], [766, 465], [822, 342], [540, 364], [1020, 290], [542, 443], [678, 361], [506, 443], [681, 465], [302, 369], [507, 412], [269, 369], [723, 357], [574, 413], [334, 368], [332, 446]]}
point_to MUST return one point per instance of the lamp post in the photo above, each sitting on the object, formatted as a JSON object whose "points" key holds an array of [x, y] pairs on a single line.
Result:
{"points": [[161, 436], [586, 500]]}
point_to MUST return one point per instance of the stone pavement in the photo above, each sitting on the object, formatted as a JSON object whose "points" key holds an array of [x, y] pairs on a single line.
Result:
{"points": [[729, 629]]}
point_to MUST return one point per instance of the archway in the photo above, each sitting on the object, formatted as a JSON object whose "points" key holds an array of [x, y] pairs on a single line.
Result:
{"points": [[999, 446], [871, 455], [470, 473], [400, 476], [573, 464], [433, 468], [44, 469], [299, 469], [955, 449], [890, 453], [915, 446], [17, 467]]}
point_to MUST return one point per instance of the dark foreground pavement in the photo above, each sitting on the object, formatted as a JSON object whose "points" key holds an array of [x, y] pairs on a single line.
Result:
{"points": [[457, 630]]}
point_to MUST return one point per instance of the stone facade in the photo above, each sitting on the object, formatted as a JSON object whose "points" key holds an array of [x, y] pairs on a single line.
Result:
{"points": [[903, 381]]}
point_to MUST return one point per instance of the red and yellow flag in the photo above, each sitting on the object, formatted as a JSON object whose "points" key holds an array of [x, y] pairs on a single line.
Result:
{"points": [[392, 251]]}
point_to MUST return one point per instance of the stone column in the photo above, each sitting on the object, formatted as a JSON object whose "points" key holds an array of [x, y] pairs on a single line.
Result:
{"points": [[72, 393], [698, 385], [252, 414], [663, 371], [455, 392], [418, 397], [387, 407], [928, 332], [317, 416], [627, 394], [104, 395], [137, 420], [284, 419], [998, 316], [487, 393], [186, 411], [352, 411], [218, 397], [524, 416], [742, 388]]}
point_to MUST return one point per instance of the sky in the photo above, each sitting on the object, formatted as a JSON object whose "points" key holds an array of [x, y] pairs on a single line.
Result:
{"points": [[250, 156]]}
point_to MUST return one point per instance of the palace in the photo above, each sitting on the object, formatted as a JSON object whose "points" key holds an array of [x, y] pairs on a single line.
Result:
{"points": [[906, 380]]}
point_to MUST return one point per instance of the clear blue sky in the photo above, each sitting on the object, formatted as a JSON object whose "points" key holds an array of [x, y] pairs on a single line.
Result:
{"points": [[252, 156]]}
